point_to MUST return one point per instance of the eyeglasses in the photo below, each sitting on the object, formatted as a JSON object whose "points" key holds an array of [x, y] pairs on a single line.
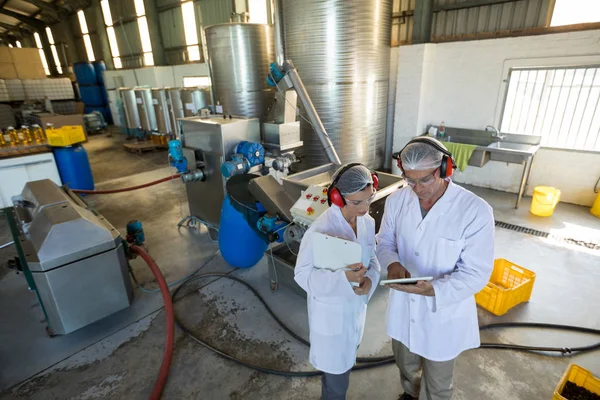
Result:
{"points": [[425, 181], [360, 202]]}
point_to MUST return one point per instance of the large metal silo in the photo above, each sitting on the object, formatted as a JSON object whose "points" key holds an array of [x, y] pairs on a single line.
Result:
{"points": [[342, 52], [240, 55]]}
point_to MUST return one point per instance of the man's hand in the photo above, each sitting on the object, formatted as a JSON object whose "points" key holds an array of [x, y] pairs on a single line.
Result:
{"points": [[357, 273], [423, 288], [364, 288], [397, 271]]}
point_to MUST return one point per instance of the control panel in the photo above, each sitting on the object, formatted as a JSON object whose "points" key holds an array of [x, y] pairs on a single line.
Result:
{"points": [[311, 204]]}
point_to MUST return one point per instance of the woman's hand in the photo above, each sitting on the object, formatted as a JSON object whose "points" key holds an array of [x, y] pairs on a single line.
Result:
{"points": [[364, 288], [357, 272]]}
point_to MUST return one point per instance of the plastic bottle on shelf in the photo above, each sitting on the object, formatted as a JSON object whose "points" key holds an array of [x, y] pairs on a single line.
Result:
{"points": [[25, 135], [12, 134], [442, 130], [38, 134]]}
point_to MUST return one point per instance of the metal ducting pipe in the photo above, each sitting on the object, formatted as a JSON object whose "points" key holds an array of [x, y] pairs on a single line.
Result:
{"points": [[342, 51]]}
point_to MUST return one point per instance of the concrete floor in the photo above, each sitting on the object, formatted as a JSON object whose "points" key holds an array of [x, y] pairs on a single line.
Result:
{"points": [[119, 356]]}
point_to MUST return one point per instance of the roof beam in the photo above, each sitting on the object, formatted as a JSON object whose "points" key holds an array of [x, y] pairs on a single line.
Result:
{"points": [[34, 23], [15, 29], [49, 8], [470, 4]]}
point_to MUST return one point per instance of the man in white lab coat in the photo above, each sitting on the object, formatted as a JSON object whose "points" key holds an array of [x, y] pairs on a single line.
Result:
{"points": [[435, 228], [337, 309]]}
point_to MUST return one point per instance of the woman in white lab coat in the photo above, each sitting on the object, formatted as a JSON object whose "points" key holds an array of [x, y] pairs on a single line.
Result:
{"points": [[336, 308]]}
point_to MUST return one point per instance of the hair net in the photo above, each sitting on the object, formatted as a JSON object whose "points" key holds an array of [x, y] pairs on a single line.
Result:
{"points": [[353, 180], [420, 156]]}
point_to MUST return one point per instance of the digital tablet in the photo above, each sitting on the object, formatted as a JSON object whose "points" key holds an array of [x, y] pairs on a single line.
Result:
{"points": [[406, 281]]}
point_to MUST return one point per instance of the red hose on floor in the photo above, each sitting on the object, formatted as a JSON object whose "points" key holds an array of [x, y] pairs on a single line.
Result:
{"points": [[127, 189], [163, 373]]}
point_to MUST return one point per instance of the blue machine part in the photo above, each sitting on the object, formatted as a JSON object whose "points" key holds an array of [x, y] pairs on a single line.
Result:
{"points": [[135, 232], [272, 226], [236, 166], [254, 152], [178, 160], [275, 74], [240, 245]]}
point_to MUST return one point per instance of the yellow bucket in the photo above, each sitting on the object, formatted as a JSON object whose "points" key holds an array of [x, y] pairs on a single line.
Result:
{"points": [[544, 201], [595, 210]]}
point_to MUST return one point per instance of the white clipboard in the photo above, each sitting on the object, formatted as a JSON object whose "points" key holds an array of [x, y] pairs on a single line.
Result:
{"points": [[334, 253]]}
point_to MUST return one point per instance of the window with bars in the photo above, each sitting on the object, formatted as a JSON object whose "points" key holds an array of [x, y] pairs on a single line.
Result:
{"points": [[558, 104]]}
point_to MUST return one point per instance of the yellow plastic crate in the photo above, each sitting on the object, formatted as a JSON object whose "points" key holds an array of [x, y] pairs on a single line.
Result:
{"points": [[579, 376], [509, 285], [65, 136]]}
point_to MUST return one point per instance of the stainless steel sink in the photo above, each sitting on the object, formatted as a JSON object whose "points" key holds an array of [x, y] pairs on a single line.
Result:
{"points": [[511, 146]]}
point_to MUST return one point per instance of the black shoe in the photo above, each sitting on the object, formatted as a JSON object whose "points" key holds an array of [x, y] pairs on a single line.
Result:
{"points": [[406, 396]]}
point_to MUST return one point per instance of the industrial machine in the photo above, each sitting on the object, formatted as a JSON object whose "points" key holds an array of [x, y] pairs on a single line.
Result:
{"points": [[130, 110], [175, 108], [143, 99], [161, 111], [194, 99], [286, 204], [209, 142], [71, 257]]}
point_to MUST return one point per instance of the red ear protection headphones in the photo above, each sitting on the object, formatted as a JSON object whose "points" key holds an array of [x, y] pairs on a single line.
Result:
{"points": [[447, 165], [333, 194]]}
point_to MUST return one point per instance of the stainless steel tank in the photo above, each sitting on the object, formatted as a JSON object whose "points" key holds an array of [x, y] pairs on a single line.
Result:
{"points": [[143, 99], [194, 99], [175, 108], [342, 52], [240, 55], [132, 117], [161, 110]]}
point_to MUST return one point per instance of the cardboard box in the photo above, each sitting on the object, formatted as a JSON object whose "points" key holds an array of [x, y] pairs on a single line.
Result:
{"points": [[25, 56], [30, 71], [8, 71], [5, 56]]}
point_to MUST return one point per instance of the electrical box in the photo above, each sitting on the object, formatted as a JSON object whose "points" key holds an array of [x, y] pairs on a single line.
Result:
{"points": [[311, 204]]}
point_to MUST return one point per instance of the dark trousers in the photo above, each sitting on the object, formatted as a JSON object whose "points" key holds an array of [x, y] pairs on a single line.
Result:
{"points": [[334, 387]]}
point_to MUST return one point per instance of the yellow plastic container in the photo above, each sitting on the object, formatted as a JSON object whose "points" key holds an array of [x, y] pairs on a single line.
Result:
{"points": [[595, 210], [509, 285], [65, 136], [544, 201], [579, 376]]}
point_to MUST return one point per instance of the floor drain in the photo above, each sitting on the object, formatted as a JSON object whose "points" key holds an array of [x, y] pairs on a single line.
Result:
{"points": [[535, 232]]}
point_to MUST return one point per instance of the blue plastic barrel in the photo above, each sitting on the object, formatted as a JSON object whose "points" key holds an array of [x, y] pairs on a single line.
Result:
{"points": [[74, 167], [240, 245], [85, 73], [91, 95], [99, 67]]}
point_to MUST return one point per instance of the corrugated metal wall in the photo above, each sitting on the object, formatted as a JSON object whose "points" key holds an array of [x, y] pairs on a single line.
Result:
{"points": [[130, 46], [208, 12], [214, 11], [467, 22]]}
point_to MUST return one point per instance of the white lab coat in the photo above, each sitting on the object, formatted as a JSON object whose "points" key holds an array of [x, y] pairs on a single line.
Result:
{"points": [[336, 314], [454, 243]]}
